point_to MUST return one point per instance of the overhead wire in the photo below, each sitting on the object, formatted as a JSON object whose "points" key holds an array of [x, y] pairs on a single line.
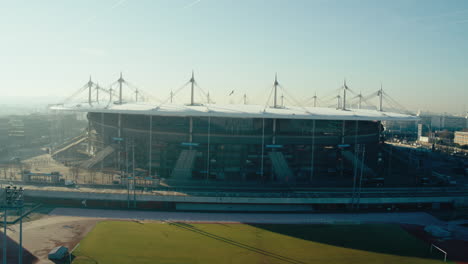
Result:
{"points": [[75, 94], [268, 99], [141, 91], [386, 95], [332, 95], [294, 99], [173, 94]]}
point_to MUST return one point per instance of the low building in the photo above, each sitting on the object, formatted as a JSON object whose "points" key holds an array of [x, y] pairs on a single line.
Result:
{"points": [[461, 138]]}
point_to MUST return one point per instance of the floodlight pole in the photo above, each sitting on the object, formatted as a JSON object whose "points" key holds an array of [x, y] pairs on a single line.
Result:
{"points": [[20, 253], [13, 199], [5, 236]]}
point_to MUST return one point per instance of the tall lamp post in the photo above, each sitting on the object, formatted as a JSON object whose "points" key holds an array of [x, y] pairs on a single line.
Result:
{"points": [[13, 199]]}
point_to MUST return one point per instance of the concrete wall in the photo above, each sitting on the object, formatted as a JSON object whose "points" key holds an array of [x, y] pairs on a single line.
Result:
{"points": [[459, 201]]}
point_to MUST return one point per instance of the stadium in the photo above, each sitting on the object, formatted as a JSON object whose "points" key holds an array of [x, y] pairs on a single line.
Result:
{"points": [[236, 143]]}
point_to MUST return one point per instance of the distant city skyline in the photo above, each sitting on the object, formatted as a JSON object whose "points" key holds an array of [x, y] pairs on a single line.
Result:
{"points": [[416, 49]]}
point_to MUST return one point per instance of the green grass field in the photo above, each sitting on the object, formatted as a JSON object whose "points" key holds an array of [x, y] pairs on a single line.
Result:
{"points": [[180, 243]]}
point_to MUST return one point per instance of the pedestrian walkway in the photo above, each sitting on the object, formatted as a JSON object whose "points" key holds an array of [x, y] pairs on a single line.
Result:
{"points": [[417, 218]]}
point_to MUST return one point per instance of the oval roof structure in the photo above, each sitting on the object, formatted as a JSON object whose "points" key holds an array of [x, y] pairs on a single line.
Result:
{"points": [[238, 111]]}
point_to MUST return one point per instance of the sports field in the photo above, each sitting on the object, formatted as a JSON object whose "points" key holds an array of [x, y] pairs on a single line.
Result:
{"points": [[134, 242]]}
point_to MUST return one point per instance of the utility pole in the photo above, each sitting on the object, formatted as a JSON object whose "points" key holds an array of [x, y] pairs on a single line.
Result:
{"points": [[263, 148], [5, 234], [150, 156], [172, 96], [315, 99], [126, 170], [360, 176], [312, 158], [282, 100], [136, 95], [133, 173], [208, 97], [338, 97], [245, 99]]}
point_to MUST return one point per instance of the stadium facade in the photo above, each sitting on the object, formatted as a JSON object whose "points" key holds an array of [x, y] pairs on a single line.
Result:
{"points": [[235, 143], [238, 143]]}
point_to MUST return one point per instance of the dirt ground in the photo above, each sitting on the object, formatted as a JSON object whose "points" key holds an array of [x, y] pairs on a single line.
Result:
{"points": [[46, 164], [42, 235]]}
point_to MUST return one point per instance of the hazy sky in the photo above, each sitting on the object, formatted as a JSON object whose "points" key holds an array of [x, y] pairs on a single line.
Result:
{"points": [[418, 49]]}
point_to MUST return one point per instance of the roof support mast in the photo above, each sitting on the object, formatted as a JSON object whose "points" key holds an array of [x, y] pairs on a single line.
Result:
{"points": [[90, 85], [97, 92], [345, 87], [110, 94], [380, 97], [120, 80], [360, 100], [192, 82], [275, 105]]}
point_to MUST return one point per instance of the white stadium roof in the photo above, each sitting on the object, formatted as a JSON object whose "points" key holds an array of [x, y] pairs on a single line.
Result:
{"points": [[238, 111]]}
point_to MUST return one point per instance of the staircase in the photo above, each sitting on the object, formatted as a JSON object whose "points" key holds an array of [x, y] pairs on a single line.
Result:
{"points": [[280, 167], [348, 155], [69, 144], [100, 156], [184, 165]]}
